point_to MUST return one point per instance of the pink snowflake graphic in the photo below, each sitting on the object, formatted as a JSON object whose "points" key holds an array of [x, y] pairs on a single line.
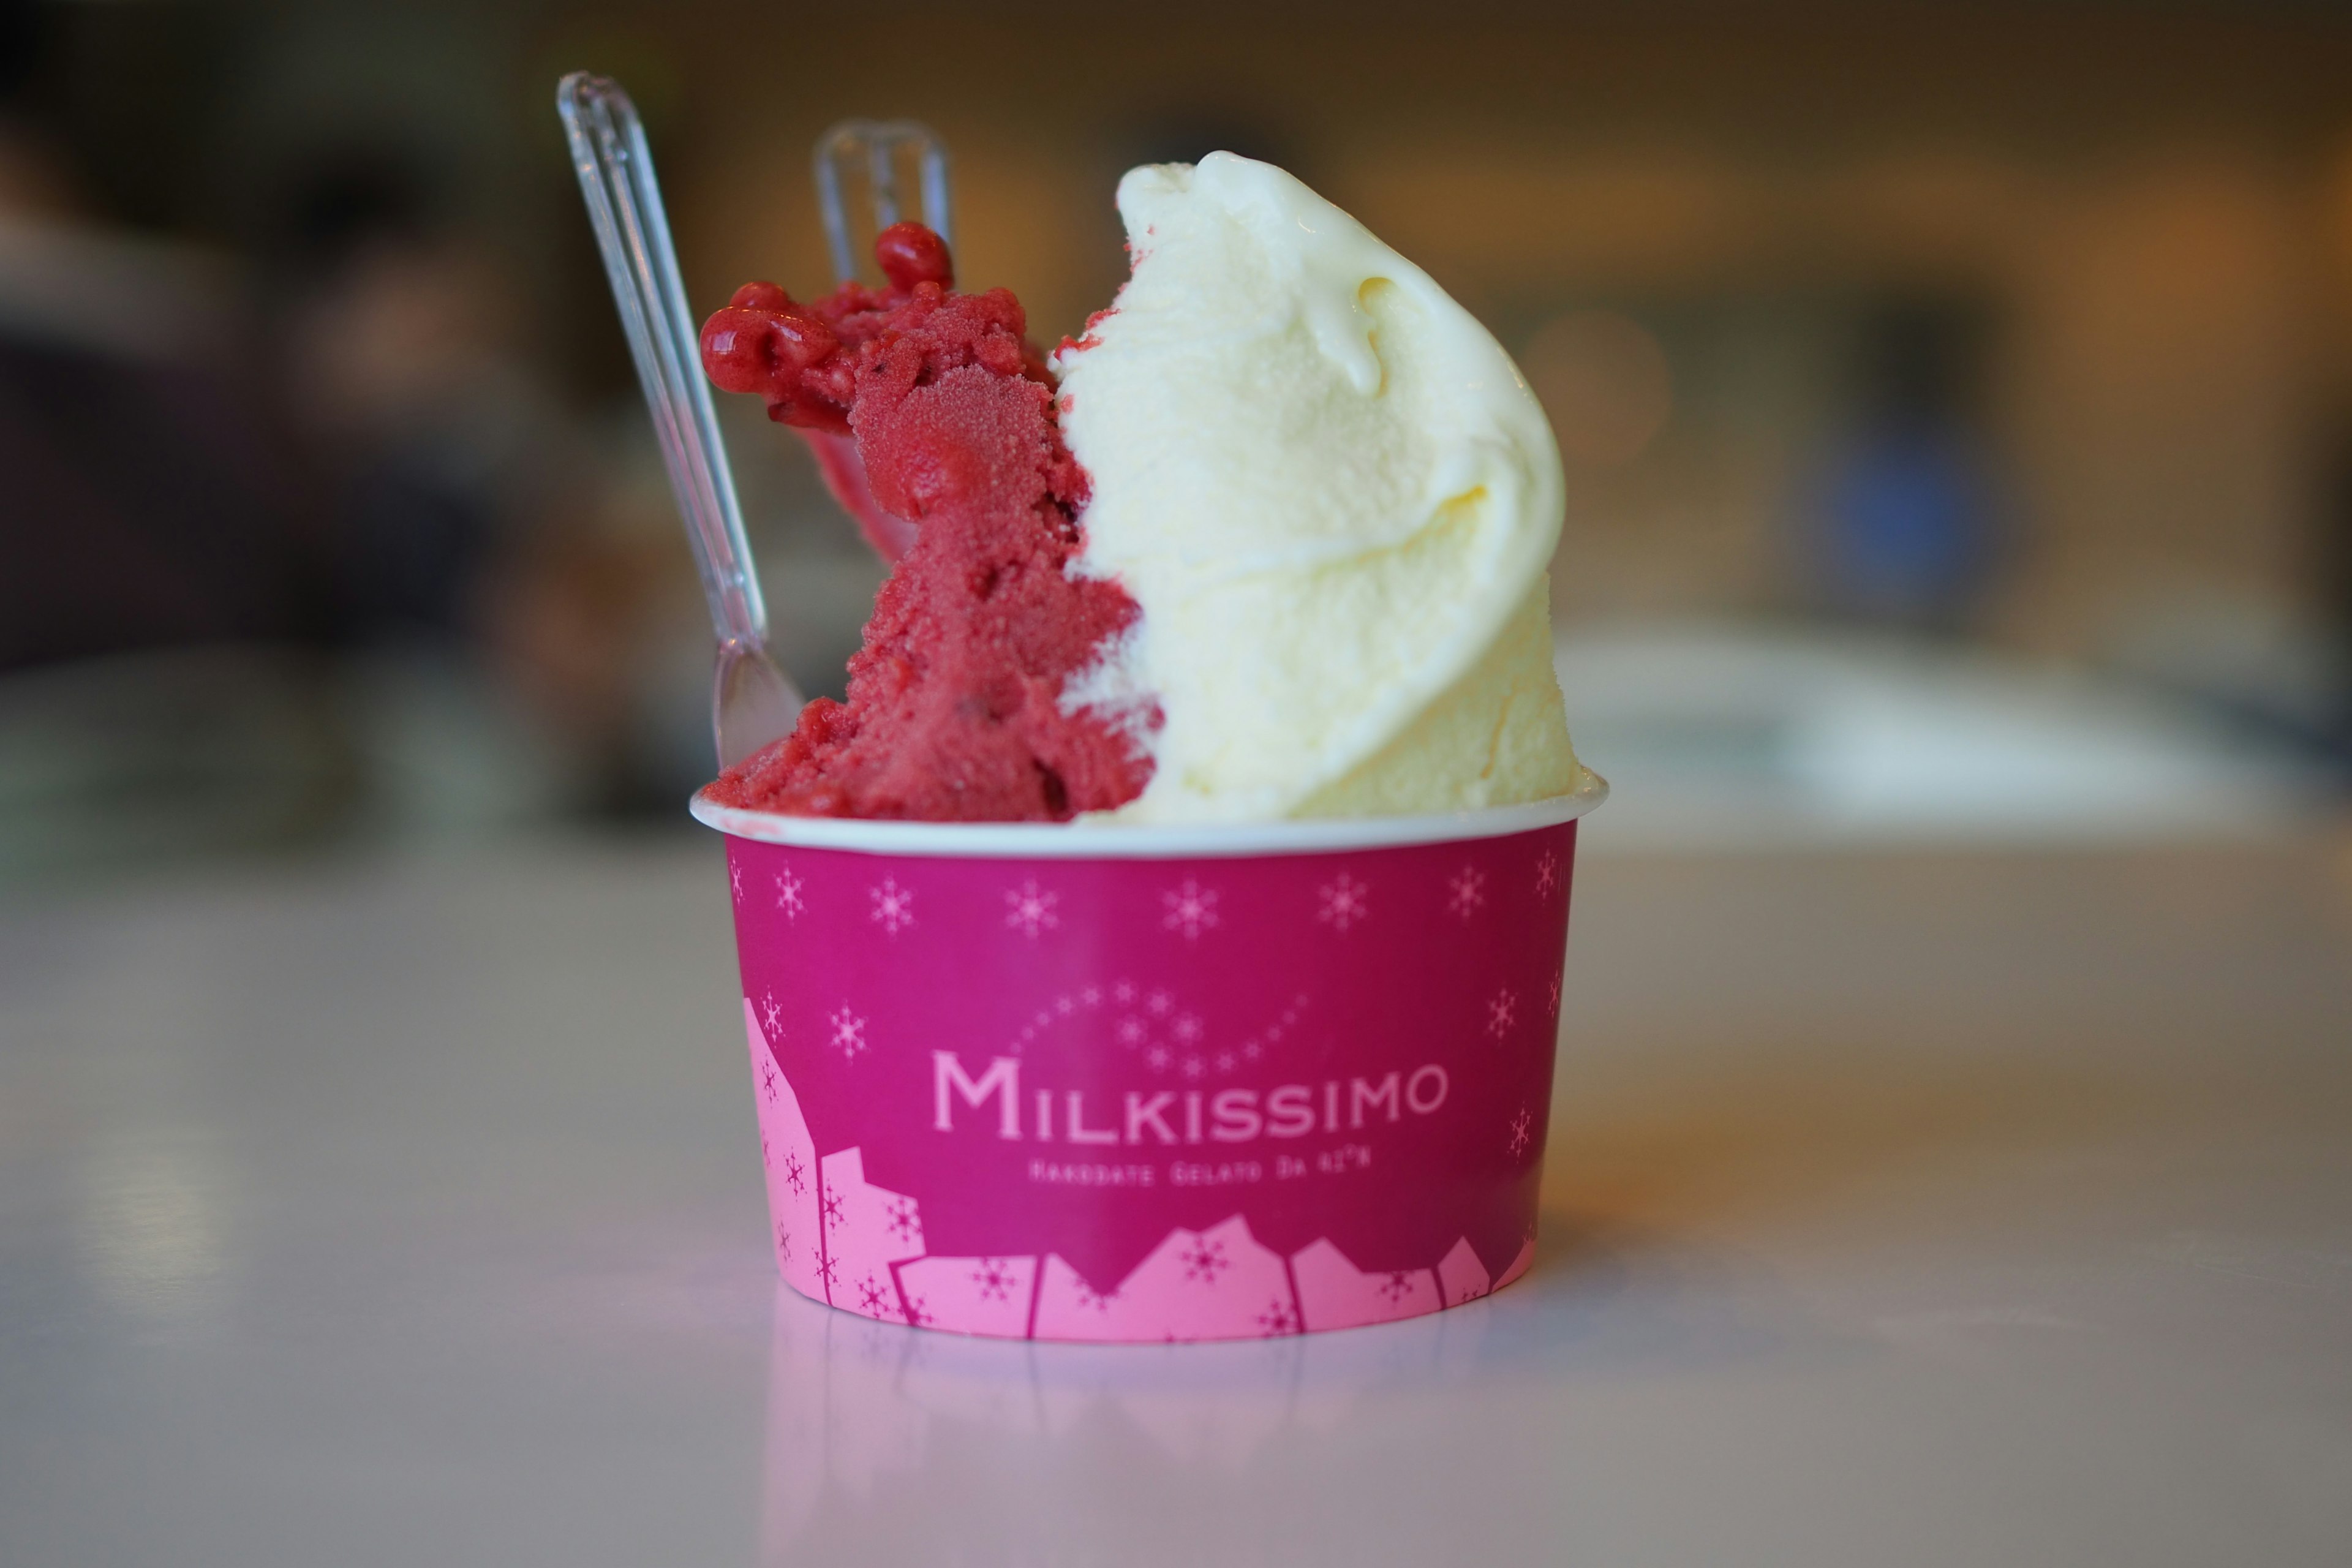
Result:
{"points": [[893, 906], [1502, 1013], [1158, 1058], [1397, 1286], [827, 1270], [1551, 999], [1520, 1137], [735, 879], [1466, 894], [1278, 1318], [1344, 903], [784, 1244], [904, 1223], [1091, 996], [1085, 1296], [1224, 1061], [995, 1279], [773, 1013], [1129, 1032], [917, 1311], [788, 895], [795, 1173], [1547, 873], [1191, 909], [1158, 1004], [766, 1159], [768, 1080], [1029, 909], [1195, 1067], [848, 1032], [1204, 1260], [871, 1295], [1186, 1030], [1123, 993], [831, 1210]]}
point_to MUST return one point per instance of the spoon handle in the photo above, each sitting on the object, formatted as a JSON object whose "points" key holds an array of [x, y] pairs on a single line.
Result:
{"points": [[625, 204]]}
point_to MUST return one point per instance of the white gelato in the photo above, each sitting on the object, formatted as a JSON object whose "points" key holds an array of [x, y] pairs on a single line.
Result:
{"points": [[1334, 498]]}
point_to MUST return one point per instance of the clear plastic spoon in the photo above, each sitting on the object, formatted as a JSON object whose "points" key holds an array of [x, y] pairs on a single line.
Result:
{"points": [[872, 146], [752, 701]]}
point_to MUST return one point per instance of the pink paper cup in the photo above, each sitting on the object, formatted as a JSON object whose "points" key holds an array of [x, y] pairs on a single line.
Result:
{"points": [[1152, 1083]]}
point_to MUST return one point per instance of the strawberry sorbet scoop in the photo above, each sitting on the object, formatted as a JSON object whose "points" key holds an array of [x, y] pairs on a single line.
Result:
{"points": [[934, 418]]}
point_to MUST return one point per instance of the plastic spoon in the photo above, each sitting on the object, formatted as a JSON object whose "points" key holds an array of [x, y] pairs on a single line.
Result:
{"points": [[752, 701], [870, 149]]}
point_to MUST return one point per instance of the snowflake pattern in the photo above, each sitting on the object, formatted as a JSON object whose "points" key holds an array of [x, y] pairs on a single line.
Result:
{"points": [[774, 1013], [827, 1270], [767, 1079], [1029, 909], [1344, 903], [917, 1311], [788, 895], [831, 1210], [871, 1295], [1204, 1260], [848, 1032], [904, 1222], [1162, 1035], [1502, 1013], [1254, 1048], [784, 1244], [1397, 1286], [1466, 894], [735, 881], [893, 906], [1085, 1296], [795, 1173], [1522, 1126], [1551, 997], [995, 1279], [1547, 873], [1278, 1318], [1190, 909]]}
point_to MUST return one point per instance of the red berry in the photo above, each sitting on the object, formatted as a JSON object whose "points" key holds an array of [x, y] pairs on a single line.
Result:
{"points": [[735, 351], [910, 254], [761, 297], [803, 338]]}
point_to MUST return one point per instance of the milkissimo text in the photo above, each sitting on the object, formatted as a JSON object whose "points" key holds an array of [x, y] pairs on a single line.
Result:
{"points": [[1234, 1115]]}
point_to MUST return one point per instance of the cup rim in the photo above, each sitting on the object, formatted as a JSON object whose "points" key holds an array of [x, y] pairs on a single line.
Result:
{"points": [[1084, 840]]}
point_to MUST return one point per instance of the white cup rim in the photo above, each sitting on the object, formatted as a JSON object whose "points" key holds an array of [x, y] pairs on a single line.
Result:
{"points": [[1159, 841]]}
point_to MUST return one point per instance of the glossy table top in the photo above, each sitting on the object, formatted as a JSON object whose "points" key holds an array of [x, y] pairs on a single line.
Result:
{"points": [[1901, 1208]]}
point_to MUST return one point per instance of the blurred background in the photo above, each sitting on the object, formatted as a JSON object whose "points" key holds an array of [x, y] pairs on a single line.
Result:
{"points": [[1956, 399]]}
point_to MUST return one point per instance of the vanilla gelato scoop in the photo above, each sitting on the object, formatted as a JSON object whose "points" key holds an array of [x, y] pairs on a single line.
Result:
{"points": [[1333, 497]]}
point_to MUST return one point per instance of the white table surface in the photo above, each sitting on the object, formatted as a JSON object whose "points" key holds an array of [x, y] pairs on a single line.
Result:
{"points": [[1902, 1209]]}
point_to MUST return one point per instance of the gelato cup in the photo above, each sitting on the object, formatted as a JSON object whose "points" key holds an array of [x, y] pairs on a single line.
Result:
{"points": [[1152, 1083]]}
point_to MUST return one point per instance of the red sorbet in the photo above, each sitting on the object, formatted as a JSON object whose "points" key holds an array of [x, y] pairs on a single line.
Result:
{"points": [[954, 710]]}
